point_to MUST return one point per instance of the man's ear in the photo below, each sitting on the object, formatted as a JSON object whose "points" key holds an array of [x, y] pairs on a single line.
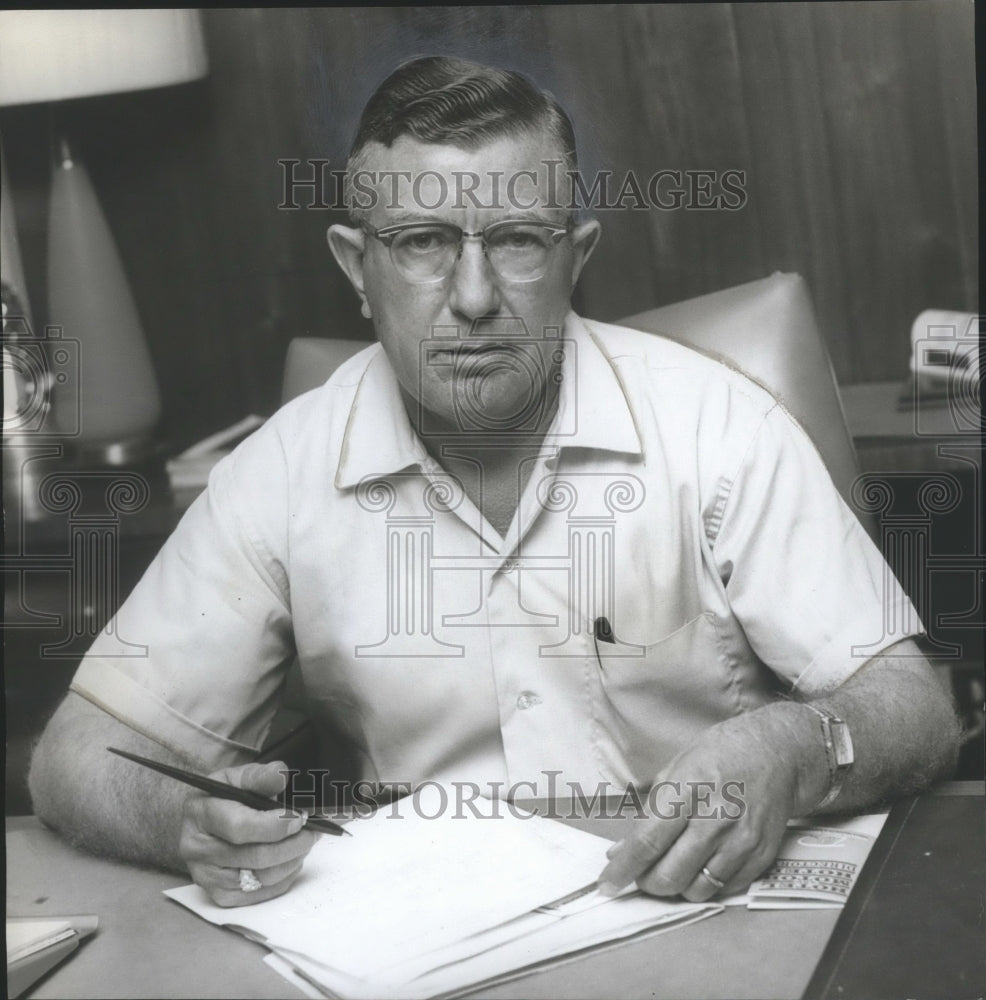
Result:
{"points": [[347, 244], [585, 236]]}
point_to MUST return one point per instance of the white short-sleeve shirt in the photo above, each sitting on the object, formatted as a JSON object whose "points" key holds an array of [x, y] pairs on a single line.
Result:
{"points": [[679, 556]]}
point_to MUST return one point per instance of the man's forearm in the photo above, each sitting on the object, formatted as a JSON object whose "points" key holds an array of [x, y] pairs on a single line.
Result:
{"points": [[904, 729], [99, 801], [905, 736]]}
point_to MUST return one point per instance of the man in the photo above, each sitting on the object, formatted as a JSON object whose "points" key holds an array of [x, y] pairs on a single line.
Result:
{"points": [[505, 544]]}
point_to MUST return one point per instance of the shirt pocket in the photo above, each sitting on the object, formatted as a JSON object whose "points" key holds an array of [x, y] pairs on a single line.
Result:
{"points": [[657, 694]]}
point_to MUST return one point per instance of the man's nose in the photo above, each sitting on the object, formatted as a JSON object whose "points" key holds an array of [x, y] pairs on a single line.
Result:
{"points": [[474, 292]]}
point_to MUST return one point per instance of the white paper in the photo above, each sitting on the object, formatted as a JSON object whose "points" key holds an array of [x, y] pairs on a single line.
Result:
{"points": [[532, 940], [403, 887], [817, 865], [284, 968], [25, 937], [415, 907]]}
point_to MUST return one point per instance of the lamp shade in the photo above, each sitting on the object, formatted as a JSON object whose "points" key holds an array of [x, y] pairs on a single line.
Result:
{"points": [[53, 55]]}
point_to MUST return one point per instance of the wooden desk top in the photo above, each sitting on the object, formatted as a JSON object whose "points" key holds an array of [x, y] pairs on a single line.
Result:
{"points": [[903, 438], [148, 946], [888, 410]]}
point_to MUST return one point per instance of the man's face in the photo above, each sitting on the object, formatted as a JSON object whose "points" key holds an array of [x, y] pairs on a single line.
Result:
{"points": [[494, 361]]}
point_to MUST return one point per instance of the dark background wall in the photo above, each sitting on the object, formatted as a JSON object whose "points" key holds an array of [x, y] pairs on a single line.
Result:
{"points": [[855, 124]]}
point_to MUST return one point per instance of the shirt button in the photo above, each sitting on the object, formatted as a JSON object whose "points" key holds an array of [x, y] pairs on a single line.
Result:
{"points": [[510, 565], [527, 699]]}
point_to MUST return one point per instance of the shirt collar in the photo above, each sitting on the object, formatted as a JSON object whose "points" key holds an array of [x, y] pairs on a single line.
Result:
{"points": [[593, 409], [379, 439], [593, 412]]}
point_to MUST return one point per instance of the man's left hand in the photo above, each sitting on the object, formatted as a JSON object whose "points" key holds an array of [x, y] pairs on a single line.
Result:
{"points": [[719, 810]]}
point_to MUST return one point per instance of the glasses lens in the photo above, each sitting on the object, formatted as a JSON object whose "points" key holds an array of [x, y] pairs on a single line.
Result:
{"points": [[519, 251], [425, 253]]}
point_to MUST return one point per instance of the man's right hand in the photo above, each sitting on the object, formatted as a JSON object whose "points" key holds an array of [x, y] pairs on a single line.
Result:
{"points": [[219, 838]]}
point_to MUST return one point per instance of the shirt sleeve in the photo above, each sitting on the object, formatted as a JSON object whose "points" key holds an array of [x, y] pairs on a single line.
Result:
{"points": [[814, 595], [195, 657]]}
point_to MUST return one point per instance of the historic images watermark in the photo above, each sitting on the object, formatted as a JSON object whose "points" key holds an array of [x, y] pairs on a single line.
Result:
{"points": [[315, 184], [409, 504], [314, 791], [42, 417], [470, 362], [912, 509], [40, 382]]}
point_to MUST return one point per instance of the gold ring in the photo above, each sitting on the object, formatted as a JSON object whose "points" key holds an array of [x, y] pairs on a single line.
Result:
{"points": [[718, 883]]}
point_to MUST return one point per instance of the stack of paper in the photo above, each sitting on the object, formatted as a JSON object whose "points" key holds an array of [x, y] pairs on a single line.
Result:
{"points": [[37, 944], [413, 906], [426, 900]]}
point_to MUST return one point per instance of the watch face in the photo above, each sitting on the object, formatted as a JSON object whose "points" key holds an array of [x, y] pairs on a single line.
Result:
{"points": [[842, 742]]}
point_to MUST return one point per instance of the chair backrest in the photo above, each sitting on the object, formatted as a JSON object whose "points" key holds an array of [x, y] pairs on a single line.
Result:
{"points": [[765, 329], [311, 360]]}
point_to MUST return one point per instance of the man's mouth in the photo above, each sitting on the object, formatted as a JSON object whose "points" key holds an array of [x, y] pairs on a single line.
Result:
{"points": [[467, 361], [467, 351]]}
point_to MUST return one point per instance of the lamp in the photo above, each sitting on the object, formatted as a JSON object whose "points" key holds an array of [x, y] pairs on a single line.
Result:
{"points": [[57, 55]]}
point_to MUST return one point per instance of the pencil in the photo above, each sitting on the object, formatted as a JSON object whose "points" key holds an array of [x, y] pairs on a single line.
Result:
{"points": [[222, 790]]}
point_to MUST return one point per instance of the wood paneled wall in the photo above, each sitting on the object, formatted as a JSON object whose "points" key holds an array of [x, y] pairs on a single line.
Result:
{"points": [[854, 124]]}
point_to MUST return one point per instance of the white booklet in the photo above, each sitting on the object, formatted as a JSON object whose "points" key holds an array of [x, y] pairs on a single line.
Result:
{"points": [[427, 900], [817, 865]]}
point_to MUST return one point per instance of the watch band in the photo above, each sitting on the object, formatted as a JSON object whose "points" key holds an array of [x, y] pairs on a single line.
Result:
{"points": [[838, 751]]}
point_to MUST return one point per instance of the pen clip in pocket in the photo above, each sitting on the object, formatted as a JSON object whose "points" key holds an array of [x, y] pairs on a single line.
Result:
{"points": [[608, 645], [603, 631]]}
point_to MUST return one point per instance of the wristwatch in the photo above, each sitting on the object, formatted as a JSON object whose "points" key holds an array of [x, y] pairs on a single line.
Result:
{"points": [[838, 751]]}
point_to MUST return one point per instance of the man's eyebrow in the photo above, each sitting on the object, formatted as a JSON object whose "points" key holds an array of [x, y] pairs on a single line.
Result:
{"points": [[395, 217]]}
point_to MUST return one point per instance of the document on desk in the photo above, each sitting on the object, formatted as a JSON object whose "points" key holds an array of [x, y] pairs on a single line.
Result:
{"points": [[425, 900], [817, 865]]}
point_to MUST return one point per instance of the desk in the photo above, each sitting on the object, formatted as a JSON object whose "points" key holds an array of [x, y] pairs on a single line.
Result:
{"points": [[892, 437], [925, 458], [148, 946]]}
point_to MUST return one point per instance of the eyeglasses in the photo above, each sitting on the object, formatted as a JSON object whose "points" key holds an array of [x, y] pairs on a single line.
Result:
{"points": [[425, 252]]}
